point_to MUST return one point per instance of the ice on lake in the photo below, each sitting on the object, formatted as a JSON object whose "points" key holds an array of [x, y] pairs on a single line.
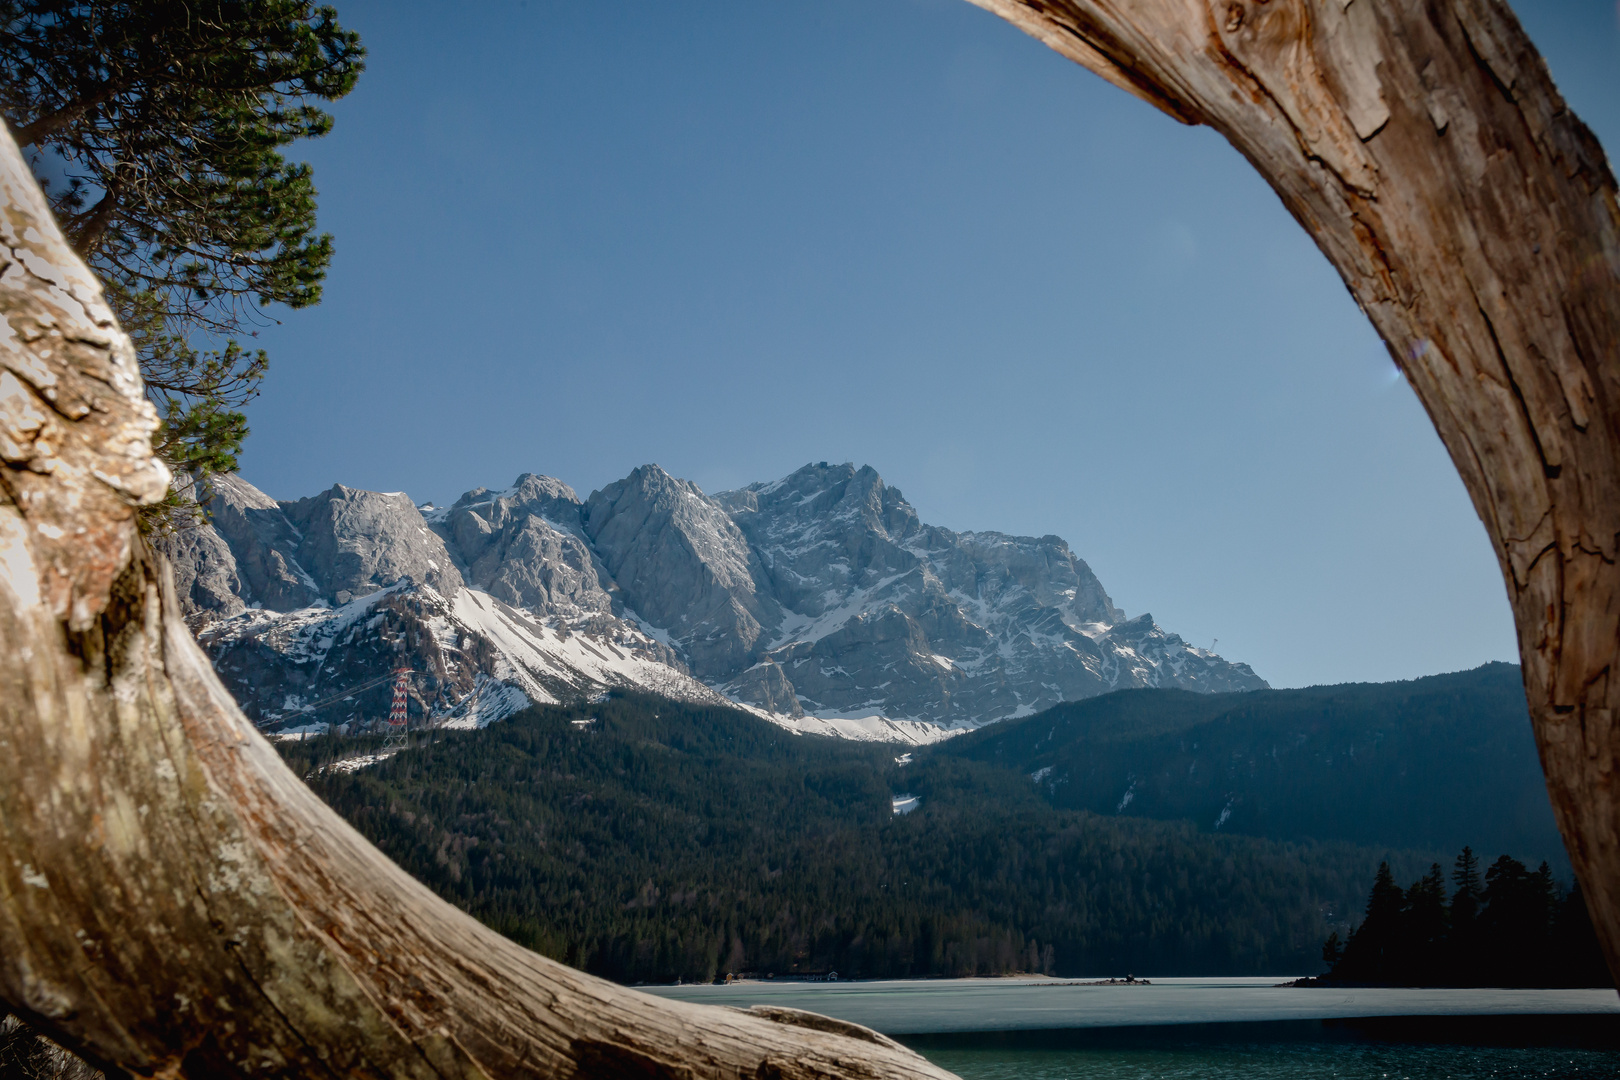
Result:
{"points": [[937, 1006]]}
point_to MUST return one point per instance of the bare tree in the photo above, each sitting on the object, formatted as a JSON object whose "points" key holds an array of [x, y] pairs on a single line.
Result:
{"points": [[174, 901]]}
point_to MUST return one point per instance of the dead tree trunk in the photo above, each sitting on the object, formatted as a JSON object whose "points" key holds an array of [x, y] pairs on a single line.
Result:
{"points": [[1473, 216], [173, 900]]}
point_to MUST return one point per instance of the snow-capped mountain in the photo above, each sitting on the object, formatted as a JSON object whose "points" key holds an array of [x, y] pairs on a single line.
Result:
{"points": [[819, 601], [875, 610]]}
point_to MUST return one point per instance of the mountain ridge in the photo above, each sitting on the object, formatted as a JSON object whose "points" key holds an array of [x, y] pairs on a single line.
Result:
{"points": [[820, 601], [1404, 761]]}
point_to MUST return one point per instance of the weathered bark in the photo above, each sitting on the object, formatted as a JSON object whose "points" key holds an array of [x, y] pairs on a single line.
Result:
{"points": [[173, 900], [1473, 216]]}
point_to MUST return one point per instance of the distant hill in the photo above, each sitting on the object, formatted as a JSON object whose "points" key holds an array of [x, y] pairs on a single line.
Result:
{"points": [[1434, 763], [645, 839]]}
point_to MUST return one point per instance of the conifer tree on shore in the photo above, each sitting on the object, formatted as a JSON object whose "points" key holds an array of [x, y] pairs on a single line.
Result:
{"points": [[1511, 926]]}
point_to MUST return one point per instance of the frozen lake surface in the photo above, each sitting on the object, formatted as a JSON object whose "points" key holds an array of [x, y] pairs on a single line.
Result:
{"points": [[939, 1006], [1301, 1053]]}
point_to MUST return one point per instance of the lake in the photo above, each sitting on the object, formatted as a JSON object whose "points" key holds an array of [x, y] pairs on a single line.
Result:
{"points": [[939, 1006], [1292, 1050], [1216, 1029]]}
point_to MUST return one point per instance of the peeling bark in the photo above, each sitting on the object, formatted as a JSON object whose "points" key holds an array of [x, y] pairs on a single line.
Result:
{"points": [[173, 900], [1424, 147]]}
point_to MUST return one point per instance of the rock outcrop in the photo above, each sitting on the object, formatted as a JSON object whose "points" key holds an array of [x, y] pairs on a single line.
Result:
{"points": [[206, 576], [264, 543]]}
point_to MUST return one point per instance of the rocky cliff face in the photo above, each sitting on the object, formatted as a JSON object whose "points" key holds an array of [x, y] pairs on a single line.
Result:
{"points": [[525, 546], [682, 565], [880, 611], [355, 542], [308, 607], [820, 600]]}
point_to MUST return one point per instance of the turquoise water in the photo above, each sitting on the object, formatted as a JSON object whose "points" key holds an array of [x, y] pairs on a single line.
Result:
{"points": [[1289, 1054]]}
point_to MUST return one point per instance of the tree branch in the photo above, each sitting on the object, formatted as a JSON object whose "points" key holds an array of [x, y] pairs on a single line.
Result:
{"points": [[89, 229], [56, 120]]}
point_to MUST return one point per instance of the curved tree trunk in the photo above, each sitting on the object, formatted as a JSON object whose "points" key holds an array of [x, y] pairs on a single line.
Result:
{"points": [[1473, 216], [173, 900]]}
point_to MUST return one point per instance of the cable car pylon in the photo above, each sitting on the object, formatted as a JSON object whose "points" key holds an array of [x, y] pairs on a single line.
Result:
{"points": [[396, 738]]}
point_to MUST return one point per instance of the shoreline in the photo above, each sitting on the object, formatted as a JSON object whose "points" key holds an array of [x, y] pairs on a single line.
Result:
{"points": [[991, 1004]]}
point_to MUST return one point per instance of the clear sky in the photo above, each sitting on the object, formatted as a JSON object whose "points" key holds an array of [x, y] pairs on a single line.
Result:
{"points": [[734, 237]]}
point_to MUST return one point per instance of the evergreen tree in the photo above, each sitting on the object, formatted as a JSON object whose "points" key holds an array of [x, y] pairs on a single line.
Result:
{"points": [[1372, 953], [1544, 889], [1465, 901], [1424, 924], [156, 127], [1463, 948], [1515, 931], [1580, 960], [1332, 950], [1517, 919]]}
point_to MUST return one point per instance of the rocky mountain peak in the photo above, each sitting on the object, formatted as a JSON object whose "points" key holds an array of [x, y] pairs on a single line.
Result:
{"points": [[265, 544], [682, 564], [526, 546], [355, 542], [827, 493], [529, 489], [1001, 569]]}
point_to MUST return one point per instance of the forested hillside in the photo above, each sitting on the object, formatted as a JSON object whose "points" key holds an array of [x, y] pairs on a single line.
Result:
{"points": [[646, 840], [1435, 763]]}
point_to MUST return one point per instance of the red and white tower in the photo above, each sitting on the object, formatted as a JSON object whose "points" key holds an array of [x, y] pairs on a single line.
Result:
{"points": [[396, 712]]}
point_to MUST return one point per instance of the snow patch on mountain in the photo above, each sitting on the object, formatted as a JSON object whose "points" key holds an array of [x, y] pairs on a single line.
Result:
{"points": [[873, 728], [541, 659]]}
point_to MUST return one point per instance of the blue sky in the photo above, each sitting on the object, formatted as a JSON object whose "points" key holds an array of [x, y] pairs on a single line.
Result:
{"points": [[732, 238]]}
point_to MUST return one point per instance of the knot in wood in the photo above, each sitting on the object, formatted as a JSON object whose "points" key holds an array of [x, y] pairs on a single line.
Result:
{"points": [[1315, 65]]}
